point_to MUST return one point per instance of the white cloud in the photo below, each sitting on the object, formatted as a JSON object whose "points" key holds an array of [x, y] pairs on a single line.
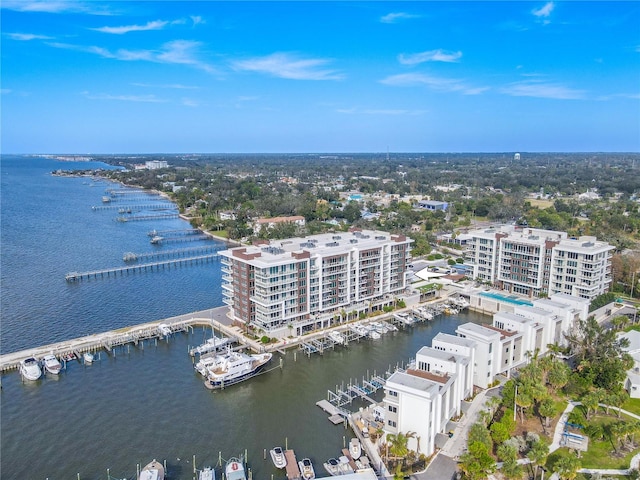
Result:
{"points": [[285, 65], [57, 6], [544, 11], [435, 83], [25, 37], [152, 25], [395, 17], [5, 91], [543, 90], [182, 52], [189, 102], [196, 19], [124, 98], [430, 56]]}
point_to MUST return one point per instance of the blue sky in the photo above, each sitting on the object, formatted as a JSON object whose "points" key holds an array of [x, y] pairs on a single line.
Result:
{"points": [[301, 76]]}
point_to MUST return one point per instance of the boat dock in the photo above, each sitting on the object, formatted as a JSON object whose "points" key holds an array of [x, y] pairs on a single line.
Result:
{"points": [[139, 218], [135, 207], [137, 336], [134, 257], [107, 272], [293, 472]]}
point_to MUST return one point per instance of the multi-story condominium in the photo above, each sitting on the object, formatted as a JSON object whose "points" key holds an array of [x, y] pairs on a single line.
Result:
{"points": [[428, 393], [536, 262], [289, 287]]}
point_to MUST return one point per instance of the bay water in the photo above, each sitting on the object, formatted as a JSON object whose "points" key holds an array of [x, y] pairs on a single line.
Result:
{"points": [[144, 402]]}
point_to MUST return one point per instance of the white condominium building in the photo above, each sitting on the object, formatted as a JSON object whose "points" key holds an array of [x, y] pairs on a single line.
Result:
{"points": [[289, 287], [532, 261], [428, 393]]}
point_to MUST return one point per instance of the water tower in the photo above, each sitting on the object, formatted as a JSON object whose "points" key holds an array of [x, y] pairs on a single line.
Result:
{"points": [[516, 157]]}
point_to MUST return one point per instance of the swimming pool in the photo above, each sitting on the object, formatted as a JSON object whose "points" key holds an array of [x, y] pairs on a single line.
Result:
{"points": [[503, 298]]}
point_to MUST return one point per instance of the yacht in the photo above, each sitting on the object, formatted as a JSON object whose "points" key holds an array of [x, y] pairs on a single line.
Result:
{"points": [[277, 455], [306, 469], [234, 469], [30, 369], [233, 367], [152, 471], [355, 449], [51, 364], [332, 466]]}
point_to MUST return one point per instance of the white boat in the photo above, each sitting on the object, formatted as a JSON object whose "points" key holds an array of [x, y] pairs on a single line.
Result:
{"points": [[210, 345], [277, 455], [337, 337], [88, 358], [234, 469], [332, 466], [359, 330], [207, 473], [164, 329], [233, 367], [355, 449], [374, 334], [344, 466], [306, 469], [51, 364], [390, 326], [152, 471], [30, 368]]}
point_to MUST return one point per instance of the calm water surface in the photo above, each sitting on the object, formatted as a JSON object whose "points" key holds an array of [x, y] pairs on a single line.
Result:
{"points": [[145, 402]]}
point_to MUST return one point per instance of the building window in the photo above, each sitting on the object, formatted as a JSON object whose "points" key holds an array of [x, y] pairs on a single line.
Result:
{"points": [[392, 423], [393, 409], [393, 393]]}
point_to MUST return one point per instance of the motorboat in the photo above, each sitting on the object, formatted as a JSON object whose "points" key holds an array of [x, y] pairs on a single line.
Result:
{"points": [[152, 471], [306, 469], [207, 473], [373, 333], [355, 449], [390, 326], [344, 466], [202, 365], [332, 466], [164, 329], [51, 364], [30, 368], [88, 358], [234, 469], [278, 457], [210, 345], [233, 367], [337, 337]]}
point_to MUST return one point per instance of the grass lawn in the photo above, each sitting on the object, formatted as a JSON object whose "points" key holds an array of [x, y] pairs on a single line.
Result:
{"points": [[600, 453], [632, 405], [540, 203]]}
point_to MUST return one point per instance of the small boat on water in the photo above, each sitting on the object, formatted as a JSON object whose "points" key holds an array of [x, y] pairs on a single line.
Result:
{"points": [[30, 369], [51, 364], [164, 329], [355, 449], [210, 345], [68, 357], [344, 466], [306, 469], [277, 455], [234, 469], [88, 358], [332, 466], [234, 367], [207, 473], [152, 471]]}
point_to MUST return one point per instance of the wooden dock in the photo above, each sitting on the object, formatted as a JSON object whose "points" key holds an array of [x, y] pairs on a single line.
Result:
{"points": [[107, 272], [293, 472]]}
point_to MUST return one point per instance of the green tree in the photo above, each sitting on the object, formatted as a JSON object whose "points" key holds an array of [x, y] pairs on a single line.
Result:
{"points": [[477, 463], [567, 467], [538, 453], [509, 456], [547, 409]]}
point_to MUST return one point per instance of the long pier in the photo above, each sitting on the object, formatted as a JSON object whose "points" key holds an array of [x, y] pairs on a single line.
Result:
{"points": [[135, 207], [134, 257], [107, 272], [138, 218]]}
